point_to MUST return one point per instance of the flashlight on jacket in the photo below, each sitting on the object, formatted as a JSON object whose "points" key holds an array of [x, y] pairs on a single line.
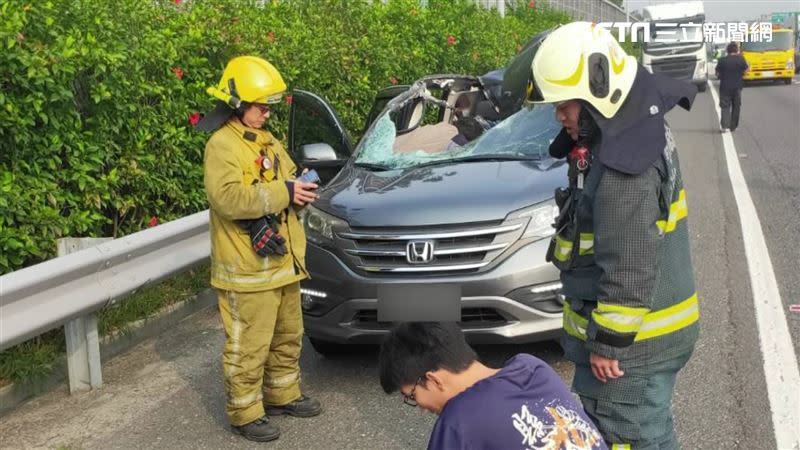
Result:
{"points": [[579, 160], [579, 157]]}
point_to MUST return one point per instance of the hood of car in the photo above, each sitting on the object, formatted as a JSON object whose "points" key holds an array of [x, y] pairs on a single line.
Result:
{"points": [[440, 194]]}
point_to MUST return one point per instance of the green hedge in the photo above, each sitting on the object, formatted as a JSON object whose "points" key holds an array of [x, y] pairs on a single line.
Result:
{"points": [[95, 96]]}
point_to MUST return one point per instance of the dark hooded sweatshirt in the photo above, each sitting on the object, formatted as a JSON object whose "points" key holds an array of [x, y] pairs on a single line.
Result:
{"points": [[524, 405]]}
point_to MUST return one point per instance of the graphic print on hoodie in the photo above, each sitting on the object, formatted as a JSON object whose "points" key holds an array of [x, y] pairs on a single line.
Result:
{"points": [[523, 406]]}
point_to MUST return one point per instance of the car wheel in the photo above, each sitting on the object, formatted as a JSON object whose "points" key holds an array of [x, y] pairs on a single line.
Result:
{"points": [[702, 87], [326, 348], [787, 81]]}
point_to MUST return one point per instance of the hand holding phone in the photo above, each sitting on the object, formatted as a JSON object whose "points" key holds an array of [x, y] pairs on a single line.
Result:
{"points": [[305, 187], [311, 176]]}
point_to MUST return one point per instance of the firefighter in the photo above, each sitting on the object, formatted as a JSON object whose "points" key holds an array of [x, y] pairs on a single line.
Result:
{"points": [[257, 249], [622, 242]]}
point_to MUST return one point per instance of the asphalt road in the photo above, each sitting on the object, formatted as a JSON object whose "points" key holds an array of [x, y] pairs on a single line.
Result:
{"points": [[768, 143], [167, 392]]}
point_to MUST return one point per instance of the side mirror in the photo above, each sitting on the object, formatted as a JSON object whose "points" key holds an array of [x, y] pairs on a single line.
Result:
{"points": [[318, 152]]}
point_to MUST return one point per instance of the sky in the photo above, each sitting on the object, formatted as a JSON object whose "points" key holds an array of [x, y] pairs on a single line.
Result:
{"points": [[730, 10]]}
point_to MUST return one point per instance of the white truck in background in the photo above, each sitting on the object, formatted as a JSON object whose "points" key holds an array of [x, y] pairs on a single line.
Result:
{"points": [[676, 45]]}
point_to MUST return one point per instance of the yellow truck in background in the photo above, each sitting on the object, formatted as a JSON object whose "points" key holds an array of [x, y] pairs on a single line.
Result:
{"points": [[774, 60]]}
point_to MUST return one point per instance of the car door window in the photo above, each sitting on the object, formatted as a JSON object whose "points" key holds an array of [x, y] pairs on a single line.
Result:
{"points": [[313, 121]]}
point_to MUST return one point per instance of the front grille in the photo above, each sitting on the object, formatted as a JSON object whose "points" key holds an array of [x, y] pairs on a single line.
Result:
{"points": [[481, 317], [668, 51], [677, 68], [470, 317], [434, 250], [400, 261], [768, 65]]}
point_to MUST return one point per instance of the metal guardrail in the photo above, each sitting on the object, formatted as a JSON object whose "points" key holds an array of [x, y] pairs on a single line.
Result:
{"points": [[39, 298], [67, 289]]}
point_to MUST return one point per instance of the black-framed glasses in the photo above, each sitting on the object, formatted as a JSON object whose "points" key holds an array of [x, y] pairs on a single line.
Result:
{"points": [[262, 108], [411, 399]]}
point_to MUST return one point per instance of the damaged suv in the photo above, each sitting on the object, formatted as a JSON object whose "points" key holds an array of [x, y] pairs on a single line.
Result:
{"points": [[443, 211]]}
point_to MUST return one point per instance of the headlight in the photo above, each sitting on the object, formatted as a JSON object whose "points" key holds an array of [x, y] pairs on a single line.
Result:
{"points": [[319, 226], [541, 218], [700, 69]]}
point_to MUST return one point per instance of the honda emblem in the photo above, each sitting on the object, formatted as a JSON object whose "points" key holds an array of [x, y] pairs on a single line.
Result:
{"points": [[419, 252]]}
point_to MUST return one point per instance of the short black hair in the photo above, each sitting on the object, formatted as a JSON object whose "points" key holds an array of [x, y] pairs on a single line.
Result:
{"points": [[413, 348], [732, 48]]}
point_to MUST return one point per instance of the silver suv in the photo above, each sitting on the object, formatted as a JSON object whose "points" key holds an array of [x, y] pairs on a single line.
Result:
{"points": [[443, 211]]}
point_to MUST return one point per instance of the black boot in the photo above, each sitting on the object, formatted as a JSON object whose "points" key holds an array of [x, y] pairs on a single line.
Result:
{"points": [[302, 407], [259, 430]]}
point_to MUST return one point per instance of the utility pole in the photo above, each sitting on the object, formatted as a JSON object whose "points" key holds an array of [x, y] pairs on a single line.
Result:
{"points": [[627, 12]]}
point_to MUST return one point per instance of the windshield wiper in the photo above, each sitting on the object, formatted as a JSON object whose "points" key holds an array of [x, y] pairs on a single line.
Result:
{"points": [[372, 166], [487, 157]]}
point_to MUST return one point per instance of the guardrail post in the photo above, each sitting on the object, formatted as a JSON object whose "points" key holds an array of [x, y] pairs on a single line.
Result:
{"points": [[83, 342]]}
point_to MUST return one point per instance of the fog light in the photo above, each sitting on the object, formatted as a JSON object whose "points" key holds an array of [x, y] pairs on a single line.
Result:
{"points": [[310, 299], [544, 297], [307, 302]]}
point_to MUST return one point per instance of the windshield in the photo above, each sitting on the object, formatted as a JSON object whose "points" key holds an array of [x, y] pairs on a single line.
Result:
{"points": [[780, 41], [681, 34], [524, 135]]}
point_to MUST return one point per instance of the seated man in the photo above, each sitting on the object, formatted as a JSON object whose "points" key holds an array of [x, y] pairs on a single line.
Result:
{"points": [[472, 121], [523, 405]]}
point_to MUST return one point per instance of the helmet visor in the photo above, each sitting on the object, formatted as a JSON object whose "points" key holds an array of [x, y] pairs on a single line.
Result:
{"points": [[532, 93], [271, 99]]}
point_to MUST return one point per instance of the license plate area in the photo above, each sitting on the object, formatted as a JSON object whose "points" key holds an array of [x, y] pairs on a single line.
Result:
{"points": [[419, 303]]}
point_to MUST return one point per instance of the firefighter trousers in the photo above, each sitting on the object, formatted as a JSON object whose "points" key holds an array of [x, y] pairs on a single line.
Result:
{"points": [[261, 358], [633, 412]]}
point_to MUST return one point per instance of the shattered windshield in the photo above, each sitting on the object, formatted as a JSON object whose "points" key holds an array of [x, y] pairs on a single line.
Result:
{"points": [[525, 135]]}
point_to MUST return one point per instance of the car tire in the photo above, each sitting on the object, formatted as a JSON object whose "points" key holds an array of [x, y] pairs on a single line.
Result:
{"points": [[702, 87], [787, 81], [326, 348]]}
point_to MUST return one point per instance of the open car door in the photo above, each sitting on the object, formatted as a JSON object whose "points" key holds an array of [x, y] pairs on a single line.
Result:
{"points": [[317, 138], [381, 99], [508, 86]]}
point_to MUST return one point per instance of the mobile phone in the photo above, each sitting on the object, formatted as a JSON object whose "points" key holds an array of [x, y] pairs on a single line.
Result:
{"points": [[309, 177]]}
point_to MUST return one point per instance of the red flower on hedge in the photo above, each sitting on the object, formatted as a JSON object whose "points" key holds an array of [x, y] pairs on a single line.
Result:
{"points": [[271, 37], [451, 40], [153, 222], [194, 118], [288, 99], [178, 2], [178, 72], [393, 80], [532, 4]]}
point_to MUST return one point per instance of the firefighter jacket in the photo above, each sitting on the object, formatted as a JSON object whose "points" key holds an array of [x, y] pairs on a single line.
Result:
{"points": [[240, 186], [623, 245]]}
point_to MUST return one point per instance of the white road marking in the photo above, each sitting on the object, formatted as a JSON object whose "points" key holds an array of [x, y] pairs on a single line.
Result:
{"points": [[780, 362]]}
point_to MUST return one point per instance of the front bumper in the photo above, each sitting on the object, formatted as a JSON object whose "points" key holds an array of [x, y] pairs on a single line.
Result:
{"points": [[753, 75], [348, 312]]}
